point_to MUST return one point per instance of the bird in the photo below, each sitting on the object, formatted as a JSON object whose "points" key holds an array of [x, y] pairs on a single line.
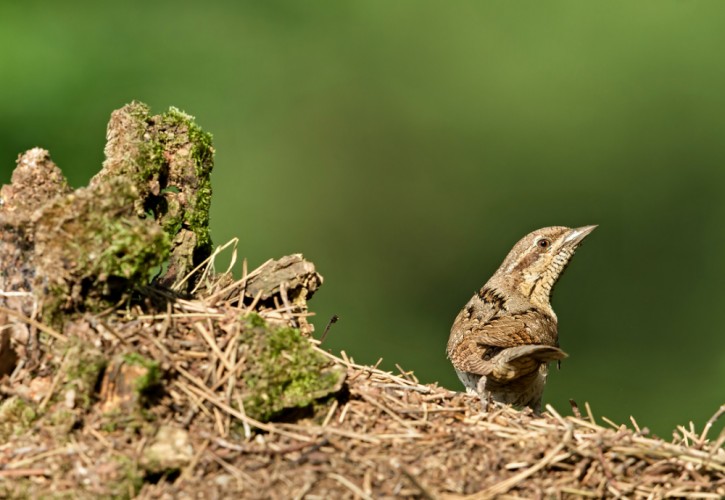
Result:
{"points": [[502, 340]]}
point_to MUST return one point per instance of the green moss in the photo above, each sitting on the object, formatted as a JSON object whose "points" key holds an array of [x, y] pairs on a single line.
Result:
{"points": [[17, 488], [54, 303], [110, 424], [287, 372], [97, 244], [93, 248], [253, 320], [172, 172], [158, 140], [84, 365], [61, 420], [132, 422], [174, 220], [16, 417], [130, 252], [202, 154], [130, 478], [151, 380], [197, 219]]}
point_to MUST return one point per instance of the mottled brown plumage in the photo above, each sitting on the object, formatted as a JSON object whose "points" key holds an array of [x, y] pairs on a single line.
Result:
{"points": [[502, 340]]}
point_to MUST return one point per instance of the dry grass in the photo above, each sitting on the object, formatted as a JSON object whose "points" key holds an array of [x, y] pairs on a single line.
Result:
{"points": [[383, 435]]}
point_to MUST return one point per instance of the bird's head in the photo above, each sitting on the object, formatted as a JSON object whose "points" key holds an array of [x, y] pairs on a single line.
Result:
{"points": [[536, 262]]}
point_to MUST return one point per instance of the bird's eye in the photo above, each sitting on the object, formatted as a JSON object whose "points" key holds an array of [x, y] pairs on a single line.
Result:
{"points": [[543, 243]]}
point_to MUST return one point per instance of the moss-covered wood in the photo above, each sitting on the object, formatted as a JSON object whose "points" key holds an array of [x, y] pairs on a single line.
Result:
{"points": [[144, 216], [288, 373], [102, 342], [169, 160]]}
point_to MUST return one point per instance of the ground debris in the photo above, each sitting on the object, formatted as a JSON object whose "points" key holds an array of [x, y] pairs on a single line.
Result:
{"points": [[104, 389], [168, 451], [369, 434]]}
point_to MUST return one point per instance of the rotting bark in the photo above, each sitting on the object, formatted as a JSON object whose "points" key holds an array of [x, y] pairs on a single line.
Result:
{"points": [[282, 288], [291, 275], [35, 181], [145, 213]]}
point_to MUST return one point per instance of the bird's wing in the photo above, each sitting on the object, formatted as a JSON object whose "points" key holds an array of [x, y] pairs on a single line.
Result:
{"points": [[529, 327], [508, 330], [468, 356], [475, 343]]}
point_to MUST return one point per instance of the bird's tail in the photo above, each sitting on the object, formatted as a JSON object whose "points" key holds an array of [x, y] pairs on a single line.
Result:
{"points": [[516, 362]]}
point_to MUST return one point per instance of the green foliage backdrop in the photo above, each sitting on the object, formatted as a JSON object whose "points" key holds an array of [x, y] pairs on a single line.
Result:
{"points": [[405, 146]]}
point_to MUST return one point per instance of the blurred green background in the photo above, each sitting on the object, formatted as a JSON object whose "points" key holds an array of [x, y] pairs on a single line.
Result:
{"points": [[404, 147]]}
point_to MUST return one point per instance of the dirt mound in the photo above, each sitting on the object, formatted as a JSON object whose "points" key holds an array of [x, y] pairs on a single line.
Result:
{"points": [[161, 404]]}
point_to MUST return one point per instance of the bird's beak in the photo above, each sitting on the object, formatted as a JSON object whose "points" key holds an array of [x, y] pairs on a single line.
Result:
{"points": [[576, 236]]}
